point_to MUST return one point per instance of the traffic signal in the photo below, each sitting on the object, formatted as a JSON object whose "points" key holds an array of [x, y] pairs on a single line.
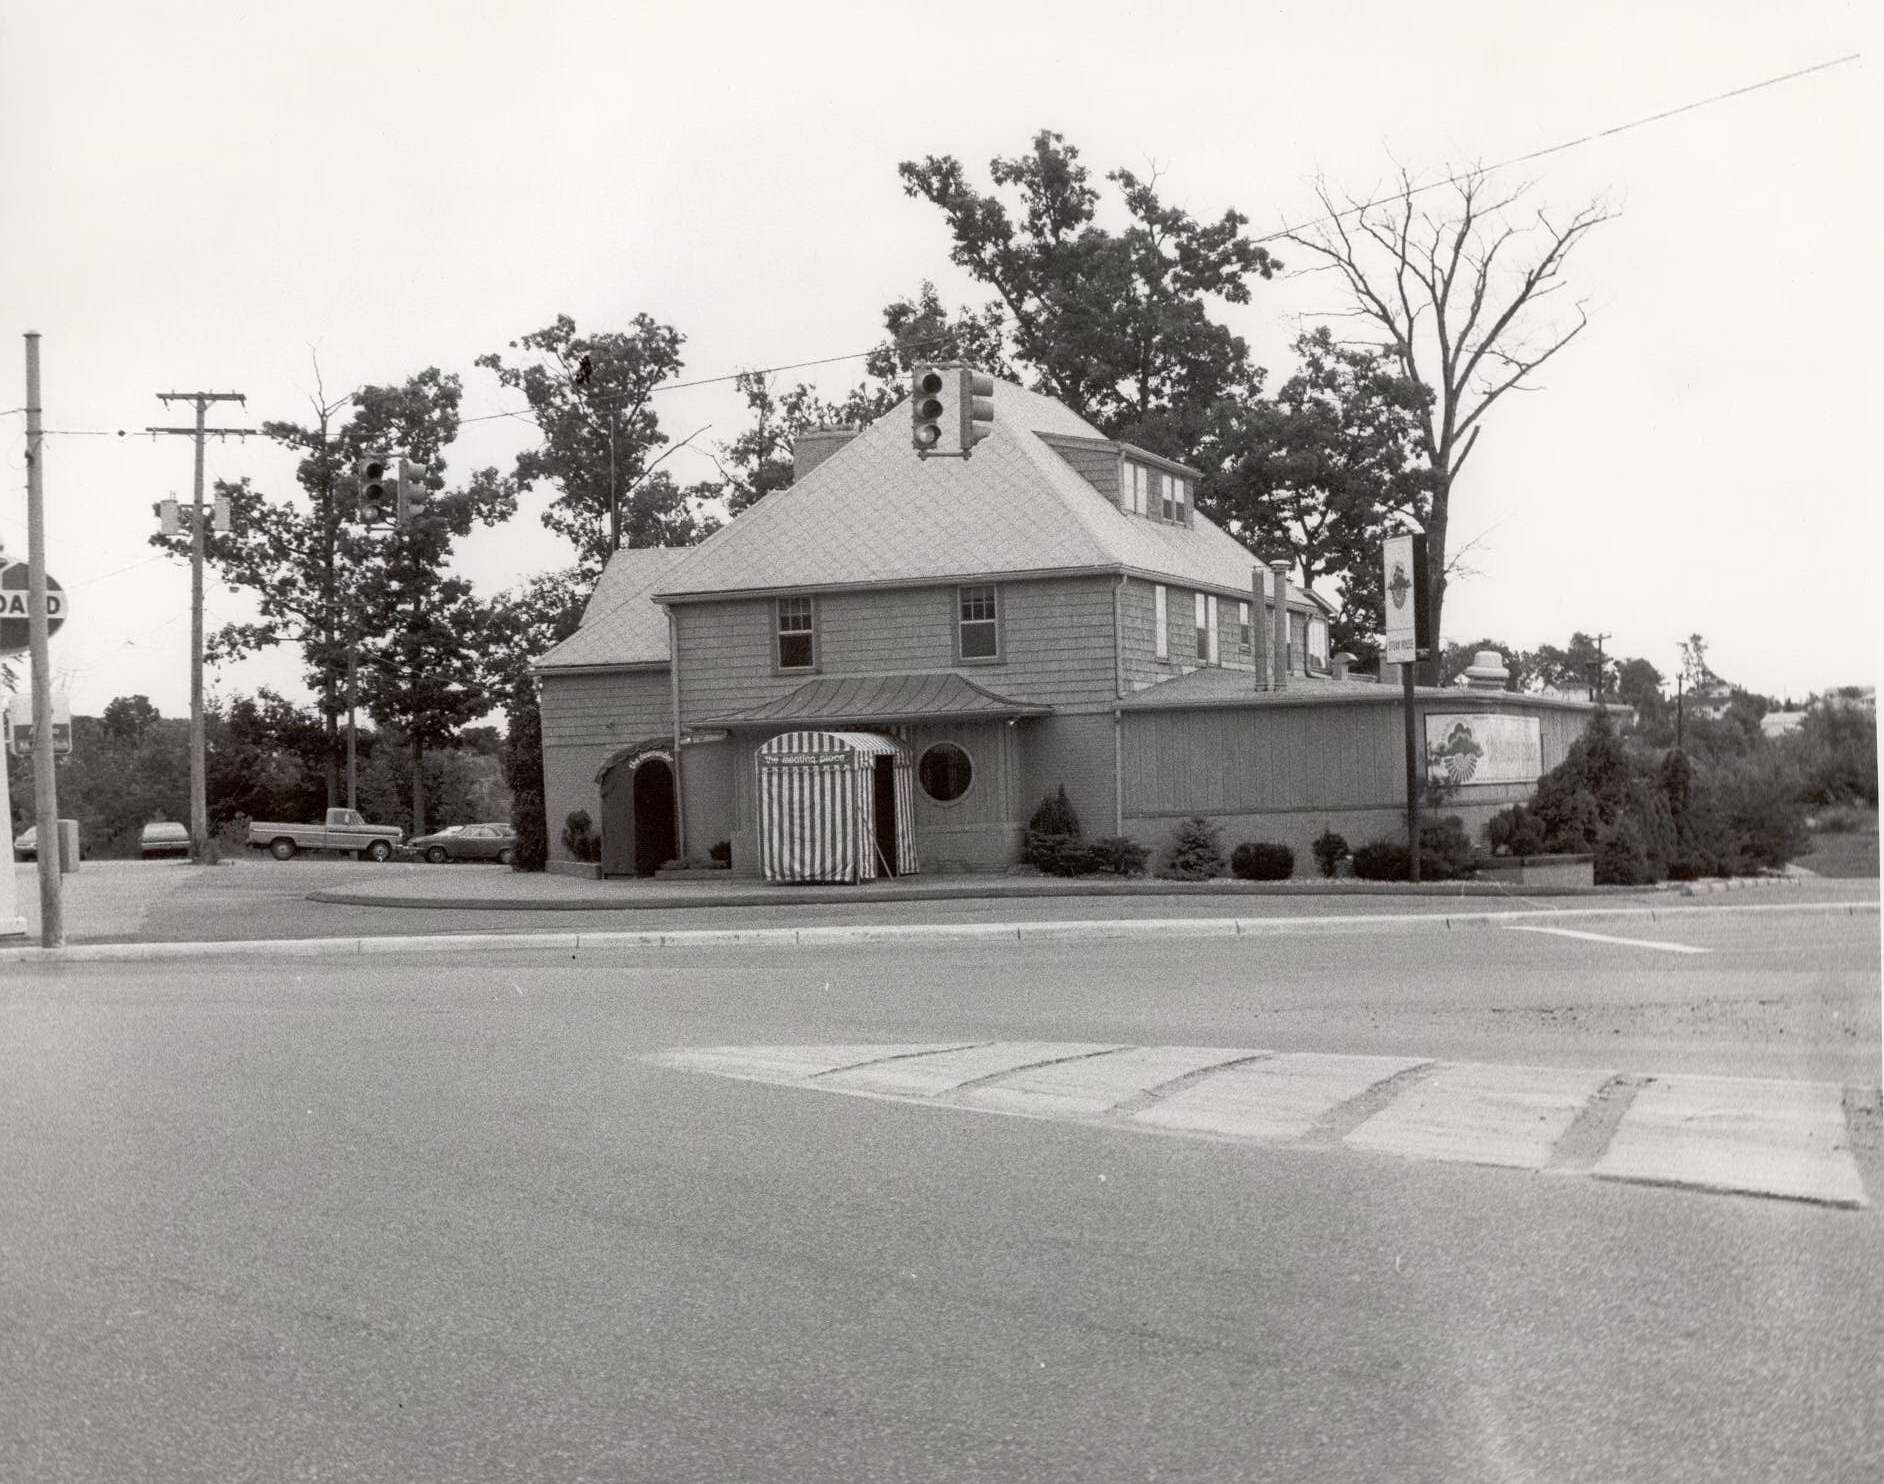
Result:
{"points": [[378, 493], [935, 423], [413, 495], [977, 408]]}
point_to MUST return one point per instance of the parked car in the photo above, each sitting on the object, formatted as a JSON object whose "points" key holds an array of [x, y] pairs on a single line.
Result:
{"points": [[345, 830], [26, 844], [468, 842], [164, 837]]}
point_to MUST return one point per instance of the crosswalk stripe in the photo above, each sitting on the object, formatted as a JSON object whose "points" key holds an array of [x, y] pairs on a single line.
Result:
{"points": [[1736, 1133], [1711, 1133], [1557, 932], [1478, 1114], [1094, 1085], [1279, 1097], [927, 1076]]}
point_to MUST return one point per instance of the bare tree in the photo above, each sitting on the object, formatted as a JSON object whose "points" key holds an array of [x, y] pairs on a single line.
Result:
{"points": [[1456, 292]]}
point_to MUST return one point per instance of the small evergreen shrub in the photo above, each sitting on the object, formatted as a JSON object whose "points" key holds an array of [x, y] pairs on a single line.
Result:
{"points": [[1515, 831], [1119, 855], [1052, 829], [1330, 850], [1445, 849], [1382, 860], [1258, 860], [1195, 852], [579, 835], [1622, 858], [722, 853]]}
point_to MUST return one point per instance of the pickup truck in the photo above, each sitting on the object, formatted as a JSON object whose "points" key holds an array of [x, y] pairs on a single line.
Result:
{"points": [[344, 830]]}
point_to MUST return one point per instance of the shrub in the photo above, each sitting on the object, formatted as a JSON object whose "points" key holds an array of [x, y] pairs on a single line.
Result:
{"points": [[1330, 849], [1055, 815], [1258, 860], [1195, 852], [1382, 860], [523, 772], [1515, 831], [1053, 828], [1839, 820], [1622, 859], [1445, 849], [1764, 821], [579, 835], [1119, 855], [233, 834], [722, 853]]}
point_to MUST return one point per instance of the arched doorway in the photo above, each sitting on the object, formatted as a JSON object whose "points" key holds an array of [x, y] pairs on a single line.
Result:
{"points": [[654, 841], [637, 786]]}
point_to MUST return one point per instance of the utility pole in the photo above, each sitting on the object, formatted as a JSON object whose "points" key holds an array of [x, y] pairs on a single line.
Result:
{"points": [[50, 851], [199, 785], [1597, 695]]}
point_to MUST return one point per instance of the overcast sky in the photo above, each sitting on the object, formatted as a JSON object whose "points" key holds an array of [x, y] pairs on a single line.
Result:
{"points": [[211, 195]]}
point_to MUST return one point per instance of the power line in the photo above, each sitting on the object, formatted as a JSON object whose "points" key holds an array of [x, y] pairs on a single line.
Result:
{"points": [[1554, 149]]}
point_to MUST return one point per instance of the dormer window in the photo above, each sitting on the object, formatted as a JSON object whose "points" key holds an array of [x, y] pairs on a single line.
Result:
{"points": [[1133, 487]]}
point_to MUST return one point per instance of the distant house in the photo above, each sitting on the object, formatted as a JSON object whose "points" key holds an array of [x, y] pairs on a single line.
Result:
{"points": [[886, 666]]}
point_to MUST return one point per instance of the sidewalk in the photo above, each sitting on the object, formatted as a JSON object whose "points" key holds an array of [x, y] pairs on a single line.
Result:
{"points": [[294, 906]]}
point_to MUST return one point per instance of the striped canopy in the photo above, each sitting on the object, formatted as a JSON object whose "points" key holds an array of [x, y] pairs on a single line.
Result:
{"points": [[817, 806]]}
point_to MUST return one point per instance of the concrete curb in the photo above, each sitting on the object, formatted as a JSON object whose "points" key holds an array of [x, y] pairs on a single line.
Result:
{"points": [[1019, 933], [826, 896]]}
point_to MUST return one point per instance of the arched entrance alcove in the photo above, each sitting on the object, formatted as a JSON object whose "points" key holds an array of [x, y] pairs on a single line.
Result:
{"points": [[637, 810]]}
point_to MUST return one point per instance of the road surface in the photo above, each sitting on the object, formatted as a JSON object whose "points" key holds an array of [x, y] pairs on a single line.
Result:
{"points": [[467, 1216]]}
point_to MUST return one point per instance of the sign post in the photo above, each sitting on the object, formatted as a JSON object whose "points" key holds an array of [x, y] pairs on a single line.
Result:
{"points": [[1403, 580]]}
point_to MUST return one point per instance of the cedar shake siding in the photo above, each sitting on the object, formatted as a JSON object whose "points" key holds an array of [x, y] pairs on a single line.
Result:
{"points": [[1055, 638], [587, 717]]}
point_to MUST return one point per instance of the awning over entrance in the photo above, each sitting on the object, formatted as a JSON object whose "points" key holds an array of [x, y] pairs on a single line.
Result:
{"points": [[835, 806], [881, 700], [662, 745]]}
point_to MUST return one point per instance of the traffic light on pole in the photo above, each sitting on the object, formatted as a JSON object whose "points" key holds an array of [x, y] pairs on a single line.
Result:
{"points": [[977, 408], [935, 419], [413, 495], [377, 486]]}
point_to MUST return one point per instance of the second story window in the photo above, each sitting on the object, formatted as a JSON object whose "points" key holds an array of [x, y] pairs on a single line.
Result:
{"points": [[796, 650], [1160, 623], [1207, 627], [978, 623], [1167, 490], [1242, 626]]}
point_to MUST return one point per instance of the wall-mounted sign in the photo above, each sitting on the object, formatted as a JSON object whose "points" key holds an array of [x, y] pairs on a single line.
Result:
{"points": [[1483, 747]]}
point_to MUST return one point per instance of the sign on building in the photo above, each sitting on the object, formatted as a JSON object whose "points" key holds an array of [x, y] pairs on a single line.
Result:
{"points": [[1482, 747]]}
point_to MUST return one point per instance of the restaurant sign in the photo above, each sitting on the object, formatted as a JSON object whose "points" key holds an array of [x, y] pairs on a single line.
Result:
{"points": [[1482, 747]]}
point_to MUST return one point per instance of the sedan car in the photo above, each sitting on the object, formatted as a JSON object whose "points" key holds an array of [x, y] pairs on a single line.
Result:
{"points": [[468, 842], [164, 837], [26, 844]]}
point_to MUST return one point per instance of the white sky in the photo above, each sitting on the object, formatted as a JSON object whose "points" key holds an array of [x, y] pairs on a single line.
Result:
{"points": [[202, 195]]}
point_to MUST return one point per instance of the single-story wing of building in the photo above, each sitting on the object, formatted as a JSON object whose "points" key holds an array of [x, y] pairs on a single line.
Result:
{"points": [[885, 667]]}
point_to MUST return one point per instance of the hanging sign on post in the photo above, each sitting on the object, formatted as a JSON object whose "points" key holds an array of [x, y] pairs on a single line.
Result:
{"points": [[1403, 581]]}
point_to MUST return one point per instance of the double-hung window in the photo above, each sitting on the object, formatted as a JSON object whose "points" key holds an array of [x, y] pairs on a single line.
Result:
{"points": [[1160, 623], [1167, 490], [797, 649], [1207, 627], [1242, 626], [978, 626]]}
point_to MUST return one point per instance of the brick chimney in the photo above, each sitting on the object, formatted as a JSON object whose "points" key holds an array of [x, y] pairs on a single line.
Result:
{"points": [[818, 444]]}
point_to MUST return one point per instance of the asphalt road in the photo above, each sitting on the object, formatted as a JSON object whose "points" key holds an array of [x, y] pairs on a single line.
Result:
{"points": [[439, 1217]]}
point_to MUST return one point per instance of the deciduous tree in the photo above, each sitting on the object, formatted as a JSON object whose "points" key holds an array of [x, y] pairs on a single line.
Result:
{"points": [[1456, 293]]}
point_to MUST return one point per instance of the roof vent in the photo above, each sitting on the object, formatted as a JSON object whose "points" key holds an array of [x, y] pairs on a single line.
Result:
{"points": [[816, 445]]}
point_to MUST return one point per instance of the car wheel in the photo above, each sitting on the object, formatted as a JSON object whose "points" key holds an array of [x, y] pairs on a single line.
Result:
{"points": [[436, 855], [503, 856], [282, 850], [379, 850]]}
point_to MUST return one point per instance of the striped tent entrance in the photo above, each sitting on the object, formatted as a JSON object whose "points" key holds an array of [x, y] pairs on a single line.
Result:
{"points": [[836, 806]]}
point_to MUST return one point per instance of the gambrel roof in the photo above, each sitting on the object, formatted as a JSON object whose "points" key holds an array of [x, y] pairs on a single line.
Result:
{"points": [[874, 514]]}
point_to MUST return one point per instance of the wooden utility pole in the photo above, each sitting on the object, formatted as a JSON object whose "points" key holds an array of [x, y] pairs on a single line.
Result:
{"points": [[199, 785], [50, 849]]}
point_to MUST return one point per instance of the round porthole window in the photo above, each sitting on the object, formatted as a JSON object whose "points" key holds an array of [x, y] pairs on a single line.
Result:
{"points": [[945, 772]]}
